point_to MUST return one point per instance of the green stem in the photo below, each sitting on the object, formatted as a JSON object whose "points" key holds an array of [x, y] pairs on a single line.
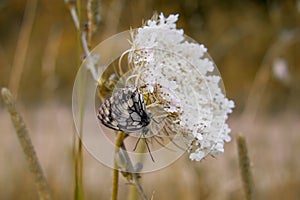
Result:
{"points": [[28, 149], [244, 162], [132, 194], [115, 183], [75, 10], [78, 168]]}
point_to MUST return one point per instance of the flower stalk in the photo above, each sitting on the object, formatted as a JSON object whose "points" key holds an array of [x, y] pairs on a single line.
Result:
{"points": [[84, 34], [120, 145], [77, 143], [28, 149], [115, 182]]}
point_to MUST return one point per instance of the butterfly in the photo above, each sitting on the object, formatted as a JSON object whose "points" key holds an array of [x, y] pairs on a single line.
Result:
{"points": [[124, 111]]}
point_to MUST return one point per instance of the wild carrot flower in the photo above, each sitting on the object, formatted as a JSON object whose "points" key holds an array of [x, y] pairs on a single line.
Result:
{"points": [[181, 86]]}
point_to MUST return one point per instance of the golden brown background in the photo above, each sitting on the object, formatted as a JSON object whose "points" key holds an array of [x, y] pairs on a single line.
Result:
{"points": [[39, 60]]}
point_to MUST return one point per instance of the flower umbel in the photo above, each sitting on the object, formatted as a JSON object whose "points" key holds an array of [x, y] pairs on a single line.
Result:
{"points": [[181, 87]]}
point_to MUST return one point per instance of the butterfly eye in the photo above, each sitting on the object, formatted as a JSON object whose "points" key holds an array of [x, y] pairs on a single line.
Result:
{"points": [[125, 110]]}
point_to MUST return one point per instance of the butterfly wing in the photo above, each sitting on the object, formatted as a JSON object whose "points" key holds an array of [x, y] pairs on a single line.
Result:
{"points": [[124, 110], [105, 115]]}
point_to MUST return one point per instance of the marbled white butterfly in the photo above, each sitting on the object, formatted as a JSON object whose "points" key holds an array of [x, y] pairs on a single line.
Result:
{"points": [[125, 110]]}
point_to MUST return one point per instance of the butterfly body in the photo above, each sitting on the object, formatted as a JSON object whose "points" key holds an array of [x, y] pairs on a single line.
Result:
{"points": [[125, 110]]}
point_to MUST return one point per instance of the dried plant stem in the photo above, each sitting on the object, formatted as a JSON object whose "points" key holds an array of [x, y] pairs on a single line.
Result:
{"points": [[75, 16], [74, 8], [244, 162], [83, 34], [22, 46], [94, 17], [34, 166]]}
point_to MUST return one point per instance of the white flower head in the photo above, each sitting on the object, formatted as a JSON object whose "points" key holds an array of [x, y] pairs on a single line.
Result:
{"points": [[181, 89]]}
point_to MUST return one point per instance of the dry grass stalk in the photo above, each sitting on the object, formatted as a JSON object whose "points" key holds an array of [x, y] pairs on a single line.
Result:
{"points": [[22, 46], [28, 149], [94, 18], [244, 162]]}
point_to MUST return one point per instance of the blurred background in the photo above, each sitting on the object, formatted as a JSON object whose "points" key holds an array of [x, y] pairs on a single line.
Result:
{"points": [[256, 46]]}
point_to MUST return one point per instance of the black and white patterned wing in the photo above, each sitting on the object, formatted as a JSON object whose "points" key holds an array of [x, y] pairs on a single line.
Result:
{"points": [[104, 115], [125, 110]]}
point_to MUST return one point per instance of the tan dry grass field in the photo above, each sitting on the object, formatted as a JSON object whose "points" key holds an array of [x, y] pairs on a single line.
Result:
{"points": [[273, 142]]}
